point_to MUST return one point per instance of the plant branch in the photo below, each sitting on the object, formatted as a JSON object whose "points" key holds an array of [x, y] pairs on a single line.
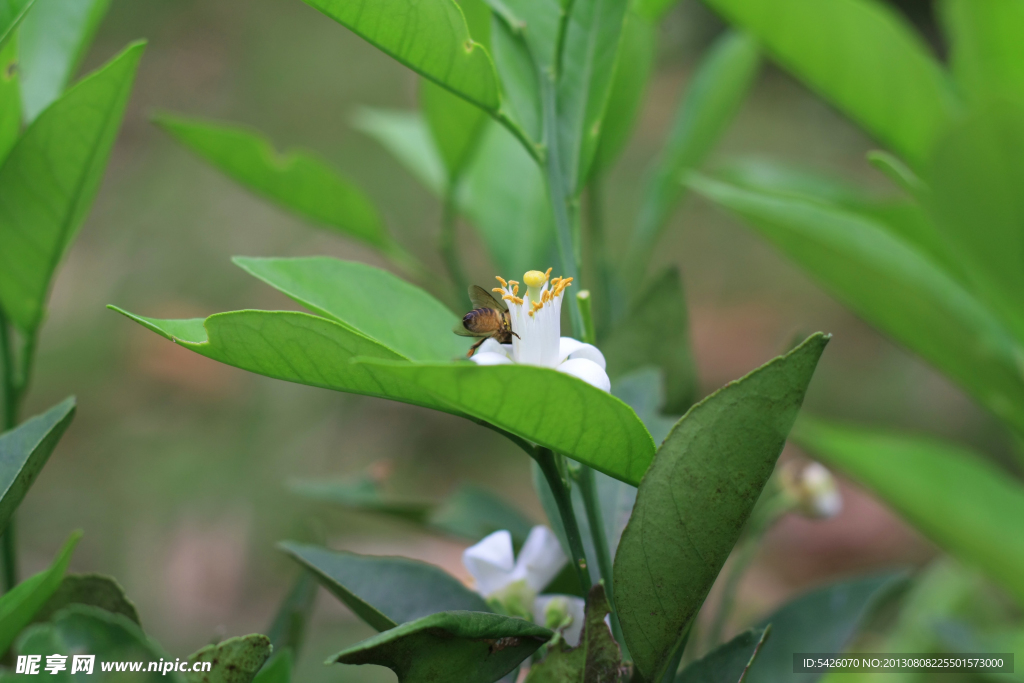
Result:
{"points": [[546, 460]]}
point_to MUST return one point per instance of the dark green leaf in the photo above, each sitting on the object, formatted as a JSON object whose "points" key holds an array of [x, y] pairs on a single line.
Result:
{"points": [[823, 620], [19, 605], [468, 647], [428, 36], [52, 42], [11, 14], [406, 135], [861, 56], [385, 591], [978, 205], [50, 179], [369, 300], [24, 451], [893, 286], [587, 64], [695, 499], [727, 663], [643, 390], [597, 659], [656, 332], [235, 660], [295, 180], [987, 55], [278, 668], [361, 493], [454, 123], [288, 629], [980, 504], [473, 513], [89, 589], [83, 629], [707, 108], [10, 97]]}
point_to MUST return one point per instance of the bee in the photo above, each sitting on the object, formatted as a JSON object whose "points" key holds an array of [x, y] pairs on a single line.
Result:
{"points": [[488, 319]]}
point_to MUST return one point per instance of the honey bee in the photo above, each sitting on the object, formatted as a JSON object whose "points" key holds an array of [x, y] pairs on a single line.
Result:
{"points": [[488, 319]]}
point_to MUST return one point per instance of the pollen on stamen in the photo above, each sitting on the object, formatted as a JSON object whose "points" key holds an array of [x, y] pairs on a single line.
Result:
{"points": [[501, 280], [547, 273], [513, 299]]}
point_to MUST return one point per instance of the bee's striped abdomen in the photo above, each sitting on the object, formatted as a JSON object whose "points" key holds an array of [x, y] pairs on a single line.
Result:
{"points": [[482, 321]]}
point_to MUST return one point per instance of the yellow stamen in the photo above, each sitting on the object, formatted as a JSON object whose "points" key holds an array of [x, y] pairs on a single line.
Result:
{"points": [[547, 273], [513, 299], [515, 289], [498, 290], [501, 280]]}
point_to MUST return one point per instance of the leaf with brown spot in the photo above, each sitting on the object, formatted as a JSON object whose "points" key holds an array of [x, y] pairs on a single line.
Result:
{"points": [[235, 660]]}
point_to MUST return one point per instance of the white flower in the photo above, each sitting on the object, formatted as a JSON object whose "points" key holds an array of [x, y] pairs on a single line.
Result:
{"points": [[536, 320], [501, 576], [814, 490]]}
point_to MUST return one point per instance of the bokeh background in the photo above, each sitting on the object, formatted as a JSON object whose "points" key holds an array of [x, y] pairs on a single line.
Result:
{"points": [[177, 467]]}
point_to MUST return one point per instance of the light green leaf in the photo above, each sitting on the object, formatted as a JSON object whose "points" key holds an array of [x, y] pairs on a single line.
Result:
{"points": [[406, 135], [654, 10], [587, 66], [10, 97], [385, 591], [894, 287], [633, 67], [705, 111], [83, 629], [898, 172], [97, 590], [288, 629], [50, 179], [368, 300], [520, 84], [11, 14], [19, 605], [295, 180], [538, 22], [469, 647], [544, 406], [361, 493], [473, 513], [955, 498], [987, 54], [52, 41], [695, 499], [727, 663], [596, 659], [977, 201], [862, 57], [823, 620], [454, 123], [428, 36], [643, 390], [24, 451], [656, 332], [278, 668], [235, 660]]}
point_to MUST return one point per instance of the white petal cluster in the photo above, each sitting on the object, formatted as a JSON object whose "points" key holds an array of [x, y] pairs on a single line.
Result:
{"points": [[537, 320], [814, 490], [495, 569]]}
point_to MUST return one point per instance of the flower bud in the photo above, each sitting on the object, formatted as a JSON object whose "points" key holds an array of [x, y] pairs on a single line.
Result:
{"points": [[813, 490]]}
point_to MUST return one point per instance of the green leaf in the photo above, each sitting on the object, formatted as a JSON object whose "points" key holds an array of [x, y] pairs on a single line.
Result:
{"points": [[469, 647], [544, 406], [428, 36], [633, 67], [862, 57], [11, 14], [473, 513], [987, 55], [278, 669], [727, 663], [412, 322], [454, 123], [823, 620], [695, 499], [85, 629], [539, 23], [10, 98], [597, 659], [407, 137], [97, 590], [705, 111], [656, 332], [295, 180], [385, 591], [50, 179], [24, 451], [288, 629], [235, 660], [519, 76], [52, 42], [978, 205], [979, 504], [893, 286], [19, 605], [587, 66], [643, 390], [361, 493]]}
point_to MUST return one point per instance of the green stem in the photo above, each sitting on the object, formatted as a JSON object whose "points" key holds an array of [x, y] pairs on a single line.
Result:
{"points": [[13, 388], [546, 460], [599, 250], [448, 243], [561, 201], [9, 556], [9, 381]]}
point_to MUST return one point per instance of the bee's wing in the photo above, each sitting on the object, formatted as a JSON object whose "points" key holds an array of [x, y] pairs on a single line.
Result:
{"points": [[481, 298], [461, 330]]}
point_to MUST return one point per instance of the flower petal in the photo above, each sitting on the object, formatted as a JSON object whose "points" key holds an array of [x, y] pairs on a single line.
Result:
{"points": [[573, 605], [569, 348], [490, 562], [491, 345], [540, 559], [588, 371], [490, 358]]}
